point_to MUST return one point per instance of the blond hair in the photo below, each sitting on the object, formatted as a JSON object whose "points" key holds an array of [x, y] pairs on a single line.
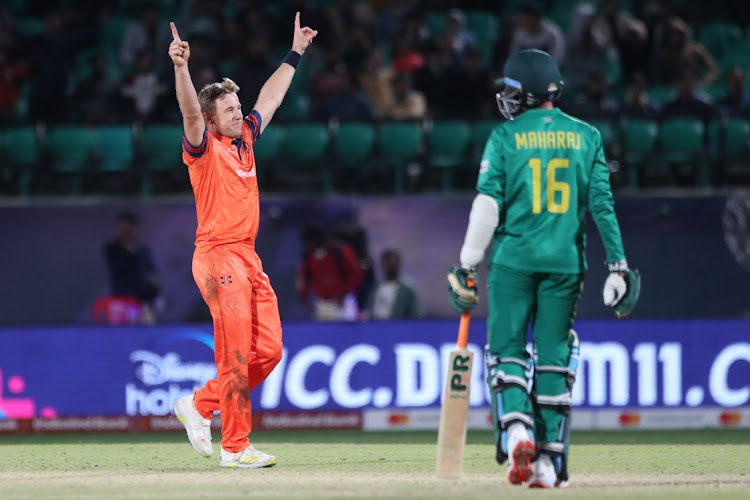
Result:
{"points": [[210, 93]]}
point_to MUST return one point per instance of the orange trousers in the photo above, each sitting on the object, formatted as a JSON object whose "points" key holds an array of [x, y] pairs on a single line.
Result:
{"points": [[247, 335]]}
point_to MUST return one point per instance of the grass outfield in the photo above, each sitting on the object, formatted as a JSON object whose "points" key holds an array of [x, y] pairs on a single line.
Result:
{"points": [[342, 464]]}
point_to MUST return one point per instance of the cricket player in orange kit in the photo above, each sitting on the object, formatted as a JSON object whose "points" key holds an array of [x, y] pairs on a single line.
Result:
{"points": [[218, 150]]}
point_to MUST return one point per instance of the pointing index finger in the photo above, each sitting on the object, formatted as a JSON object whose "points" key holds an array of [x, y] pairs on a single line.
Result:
{"points": [[175, 35], [296, 22]]}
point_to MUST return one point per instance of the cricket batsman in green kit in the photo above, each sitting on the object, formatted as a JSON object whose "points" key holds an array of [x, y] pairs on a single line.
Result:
{"points": [[541, 171]]}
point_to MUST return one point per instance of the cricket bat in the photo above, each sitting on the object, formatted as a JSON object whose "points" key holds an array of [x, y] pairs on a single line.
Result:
{"points": [[455, 409]]}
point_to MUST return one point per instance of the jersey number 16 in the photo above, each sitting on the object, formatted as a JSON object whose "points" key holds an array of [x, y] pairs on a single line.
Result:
{"points": [[553, 186]]}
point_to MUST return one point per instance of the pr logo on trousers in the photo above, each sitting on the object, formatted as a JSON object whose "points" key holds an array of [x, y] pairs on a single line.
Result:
{"points": [[226, 279]]}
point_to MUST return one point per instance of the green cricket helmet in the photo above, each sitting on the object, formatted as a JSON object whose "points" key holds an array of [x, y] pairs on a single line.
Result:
{"points": [[530, 78]]}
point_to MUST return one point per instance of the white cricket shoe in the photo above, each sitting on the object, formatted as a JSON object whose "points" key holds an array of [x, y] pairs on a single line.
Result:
{"points": [[249, 458], [521, 451], [544, 474], [198, 428]]}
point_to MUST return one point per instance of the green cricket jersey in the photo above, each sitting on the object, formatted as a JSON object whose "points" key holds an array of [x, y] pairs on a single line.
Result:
{"points": [[545, 169]]}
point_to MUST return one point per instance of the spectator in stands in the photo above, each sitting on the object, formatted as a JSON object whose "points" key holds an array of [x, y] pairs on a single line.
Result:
{"points": [[255, 67], [630, 37], [143, 89], [233, 38], [359, 46], [50, 57], [327, 80], [679, 53], [393, 297], [458, 38], [407, 59], [473, 83], [434, 78], [131, 269], [588, 46], [594, 101], [636, 102], [737, 99], [375, 79], [688, 103], [330, 271], [12, 74], [413, 30], [148, 34], [256, 23], [97, 98], [349, 103], [537, 32], [408, 104]]}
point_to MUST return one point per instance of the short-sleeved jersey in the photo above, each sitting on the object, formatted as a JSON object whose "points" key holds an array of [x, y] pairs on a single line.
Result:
{"points": [[545, 169], [222, 172]]}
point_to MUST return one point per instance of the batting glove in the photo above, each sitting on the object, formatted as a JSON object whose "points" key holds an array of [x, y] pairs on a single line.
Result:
{"points": [[462, 289], [622, 288]]}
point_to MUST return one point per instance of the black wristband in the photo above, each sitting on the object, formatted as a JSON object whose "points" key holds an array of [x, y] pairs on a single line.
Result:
{"points": [[292, 58]]}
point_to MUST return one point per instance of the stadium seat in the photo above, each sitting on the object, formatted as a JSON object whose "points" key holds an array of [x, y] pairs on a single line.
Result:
{"points": [[159, 148], [660, 94], [608, 129], [480, 132], [448, 145], [70, 151], [398, 144], [639, 143], [268, 147], [113, 29], [20, 151], [295, 107], [304, 147], [730, 138], [436, 22], [683, 142], [114, 147], [485, 27], [719, 38], [353, 144]]}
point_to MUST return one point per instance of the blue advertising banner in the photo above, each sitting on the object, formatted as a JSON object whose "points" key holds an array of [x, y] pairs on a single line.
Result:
{"points": [[50, 372]]}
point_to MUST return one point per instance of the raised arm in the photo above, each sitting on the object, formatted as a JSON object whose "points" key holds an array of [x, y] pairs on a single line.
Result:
{"points": [[275, 88], [192, 118]]}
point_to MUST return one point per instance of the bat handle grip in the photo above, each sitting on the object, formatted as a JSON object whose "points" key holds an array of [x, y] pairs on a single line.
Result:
{"points": [[463, 330]]}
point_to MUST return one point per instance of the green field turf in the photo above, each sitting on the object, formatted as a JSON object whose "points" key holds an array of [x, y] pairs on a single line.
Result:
{"points": [[341, 464]]}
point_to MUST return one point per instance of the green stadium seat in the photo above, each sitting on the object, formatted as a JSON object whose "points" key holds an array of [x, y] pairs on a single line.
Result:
{"points": [[161, 147], [353, 144], [608, 129], [113, 29], [639, 144], [30, 26], [719, 38], [436, 22], [268, 147], [398, 144], [228, 68], [486, 28], [20, 152], [682, 141], [114, 147], [71, 151], [304, 147], [448, 145], [730, 138], [660, 94], [480, 133], [295, 107]]}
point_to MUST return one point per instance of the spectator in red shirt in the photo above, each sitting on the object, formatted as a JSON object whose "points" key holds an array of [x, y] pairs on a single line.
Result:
{"points": [[331, 272]]}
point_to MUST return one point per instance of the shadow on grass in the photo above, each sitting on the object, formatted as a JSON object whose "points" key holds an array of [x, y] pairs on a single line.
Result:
{"points": [[699, 436]]}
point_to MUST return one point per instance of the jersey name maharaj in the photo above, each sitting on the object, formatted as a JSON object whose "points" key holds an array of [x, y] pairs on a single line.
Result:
{"points": [[553, 139]]}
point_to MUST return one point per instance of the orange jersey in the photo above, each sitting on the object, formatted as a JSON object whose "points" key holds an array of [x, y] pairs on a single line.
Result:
{"points": [[222, 172]]}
